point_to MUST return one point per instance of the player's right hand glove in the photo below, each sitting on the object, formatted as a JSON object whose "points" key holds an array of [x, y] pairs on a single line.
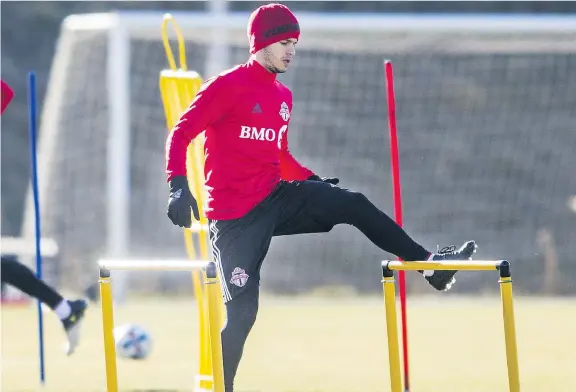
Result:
{"points": [[180, 203]]}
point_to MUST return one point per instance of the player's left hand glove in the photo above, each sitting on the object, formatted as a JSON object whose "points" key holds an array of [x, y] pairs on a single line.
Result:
{"points": [[181, 203], [329, 180]]}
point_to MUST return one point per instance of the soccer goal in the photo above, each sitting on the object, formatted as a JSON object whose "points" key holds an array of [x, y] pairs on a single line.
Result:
{"points": [[485, 123]]}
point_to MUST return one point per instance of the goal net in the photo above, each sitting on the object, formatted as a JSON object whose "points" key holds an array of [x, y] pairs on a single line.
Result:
{"points": [[486, 124]]}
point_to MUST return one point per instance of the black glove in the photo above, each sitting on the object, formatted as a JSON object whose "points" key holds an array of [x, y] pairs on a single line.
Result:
{"points": [[180, 203], [329, 180]]}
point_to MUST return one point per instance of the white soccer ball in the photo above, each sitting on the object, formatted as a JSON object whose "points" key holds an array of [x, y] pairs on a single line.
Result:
{"points": [[132, 341]]}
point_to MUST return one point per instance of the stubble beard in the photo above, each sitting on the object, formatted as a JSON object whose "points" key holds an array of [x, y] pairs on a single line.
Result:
{"points": [[269, 63]]}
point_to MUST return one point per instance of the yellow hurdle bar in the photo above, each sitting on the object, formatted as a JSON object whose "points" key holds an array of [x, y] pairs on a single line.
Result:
{"points": [[197, 227], [460, 265], [213, 310], [503, 266], [153, 265]]}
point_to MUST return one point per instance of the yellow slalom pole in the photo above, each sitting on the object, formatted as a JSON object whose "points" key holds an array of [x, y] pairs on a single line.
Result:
{"points": [[178, 90], [181, 46], [509, 327], [392, 329], [108, 328], [213, 296]]}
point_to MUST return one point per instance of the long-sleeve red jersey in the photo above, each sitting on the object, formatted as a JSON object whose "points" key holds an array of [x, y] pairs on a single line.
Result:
{"points": [[245, 113]]}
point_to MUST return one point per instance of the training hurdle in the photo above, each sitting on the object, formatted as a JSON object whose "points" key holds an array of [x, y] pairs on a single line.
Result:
{"points": [[209, 313], [503, 266]]}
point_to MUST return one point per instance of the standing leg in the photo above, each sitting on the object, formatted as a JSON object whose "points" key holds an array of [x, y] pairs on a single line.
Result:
{"points": [[239, 248], [240, 318]]}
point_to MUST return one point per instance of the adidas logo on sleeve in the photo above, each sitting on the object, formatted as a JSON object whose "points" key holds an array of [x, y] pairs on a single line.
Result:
{"points": [[257, 109]]}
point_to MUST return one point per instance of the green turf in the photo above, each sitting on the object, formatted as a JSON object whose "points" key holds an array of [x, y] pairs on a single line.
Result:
{"points": [[313, 345]]}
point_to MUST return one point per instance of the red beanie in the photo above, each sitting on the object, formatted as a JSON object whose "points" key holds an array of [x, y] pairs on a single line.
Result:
{"points": [[269, 24]]}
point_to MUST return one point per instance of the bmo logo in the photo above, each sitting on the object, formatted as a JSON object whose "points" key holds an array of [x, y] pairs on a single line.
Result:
{"points": [[263, 134]]}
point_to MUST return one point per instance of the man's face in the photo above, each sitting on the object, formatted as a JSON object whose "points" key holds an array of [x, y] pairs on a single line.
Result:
{"points": [[278, 55]]}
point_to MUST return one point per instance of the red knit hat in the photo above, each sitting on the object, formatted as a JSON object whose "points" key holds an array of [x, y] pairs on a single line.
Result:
{"points": [[269, 24]]}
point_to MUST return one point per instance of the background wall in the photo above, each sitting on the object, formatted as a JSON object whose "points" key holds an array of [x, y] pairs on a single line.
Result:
{"points": [[29, 37]]}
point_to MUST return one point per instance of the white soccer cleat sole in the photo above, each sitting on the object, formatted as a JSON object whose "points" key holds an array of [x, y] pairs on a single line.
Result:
{"points": [[73, 335]]}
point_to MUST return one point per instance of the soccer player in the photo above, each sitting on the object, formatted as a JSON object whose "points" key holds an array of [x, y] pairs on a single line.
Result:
{"points": [[20, 276], [257, 189]]}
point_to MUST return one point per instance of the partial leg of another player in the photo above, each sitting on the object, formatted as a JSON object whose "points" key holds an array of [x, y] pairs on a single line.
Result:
{"points": [[69, 312]]}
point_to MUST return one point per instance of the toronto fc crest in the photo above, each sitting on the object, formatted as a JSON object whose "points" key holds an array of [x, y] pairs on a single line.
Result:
{"points": [[284, 111], [239, 277]]}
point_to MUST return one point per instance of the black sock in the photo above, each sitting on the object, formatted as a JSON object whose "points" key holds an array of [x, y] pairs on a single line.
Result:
{"points": [[241, 315], [20, 276]]}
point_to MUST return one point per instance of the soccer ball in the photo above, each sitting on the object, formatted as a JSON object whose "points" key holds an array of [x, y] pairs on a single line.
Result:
{"points": [[132, 341]]}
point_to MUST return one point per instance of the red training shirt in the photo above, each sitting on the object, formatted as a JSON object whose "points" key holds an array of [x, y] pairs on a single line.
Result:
{"points": [[245, 112]]}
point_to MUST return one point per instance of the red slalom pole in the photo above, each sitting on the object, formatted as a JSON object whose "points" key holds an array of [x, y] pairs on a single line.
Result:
{"points": [[395, 160]]}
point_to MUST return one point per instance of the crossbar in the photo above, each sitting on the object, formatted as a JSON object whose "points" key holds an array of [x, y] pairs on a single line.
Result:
{"points": [[197, 227], [471, 265], [152, 265]]}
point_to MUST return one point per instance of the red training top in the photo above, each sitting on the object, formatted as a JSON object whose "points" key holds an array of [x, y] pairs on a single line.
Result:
{"points": [[7, 95], [245, 112]]}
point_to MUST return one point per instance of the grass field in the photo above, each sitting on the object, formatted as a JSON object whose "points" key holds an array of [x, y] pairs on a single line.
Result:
{"points": [[312, 345]]}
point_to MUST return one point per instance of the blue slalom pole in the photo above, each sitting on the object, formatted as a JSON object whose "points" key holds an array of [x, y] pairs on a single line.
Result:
{"points": [[34, 173]]}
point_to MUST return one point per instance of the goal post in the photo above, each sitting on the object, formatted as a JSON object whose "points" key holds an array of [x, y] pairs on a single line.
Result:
{"points": [[469, 87]]}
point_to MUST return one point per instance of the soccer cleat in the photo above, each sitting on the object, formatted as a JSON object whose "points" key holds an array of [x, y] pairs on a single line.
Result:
{"points": [[72, 324], [444, 280]]}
